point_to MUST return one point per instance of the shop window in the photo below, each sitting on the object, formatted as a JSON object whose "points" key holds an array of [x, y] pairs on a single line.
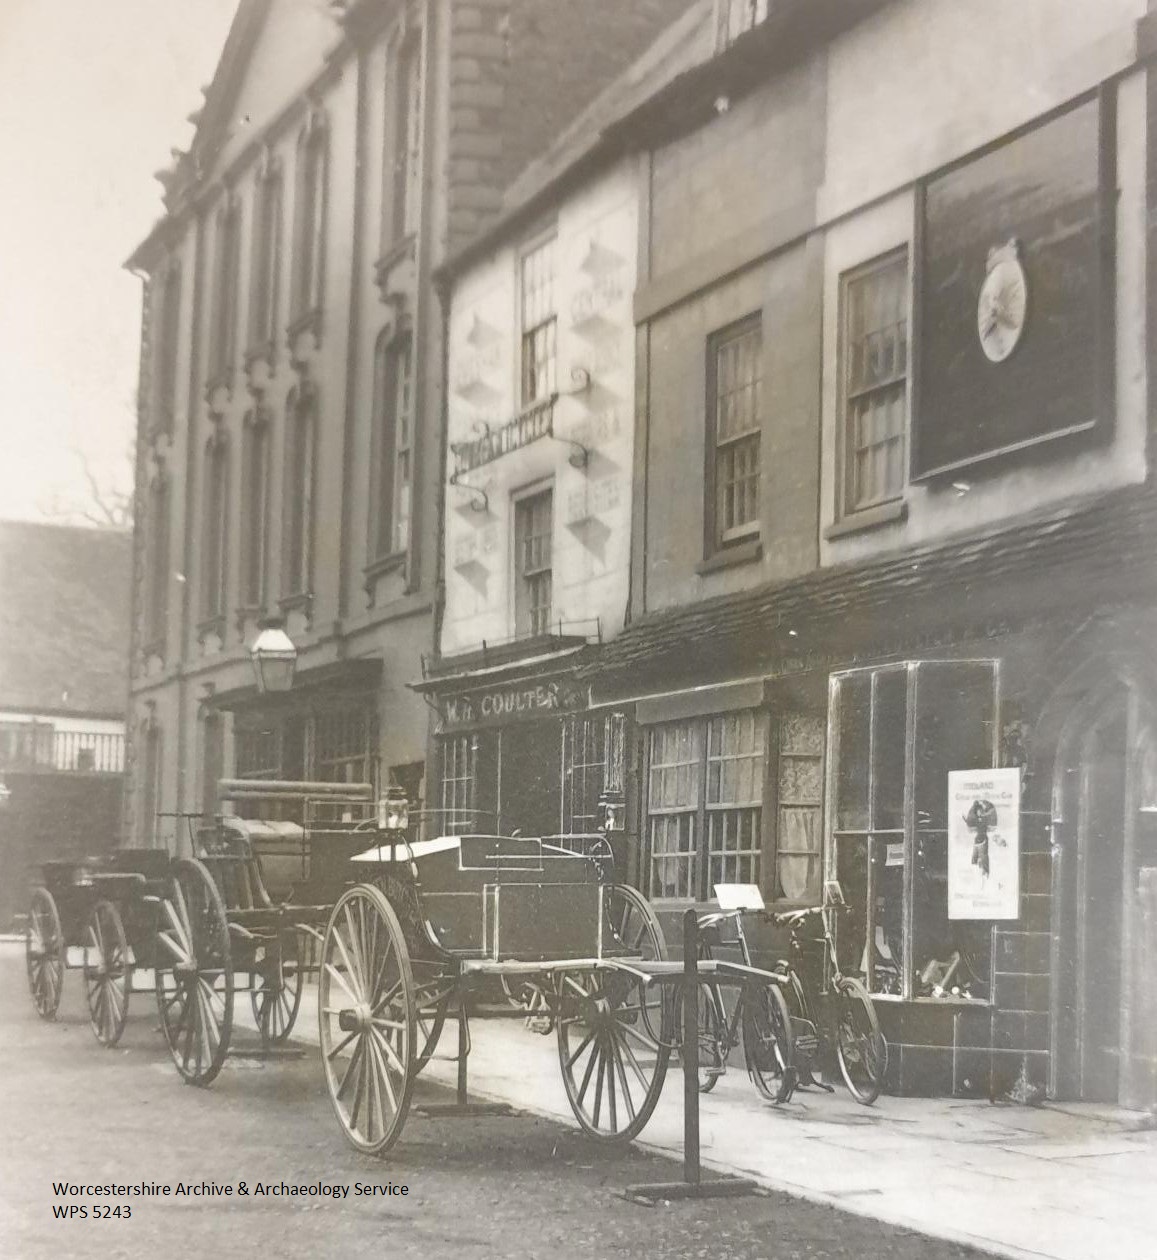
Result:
{"points": [[734, 383], [894, 734], [343, 746], [539, 323], [393, 440], [799, 807], [533, 532], [874, 374], [459, 771], [705, 804], [593, 751]]}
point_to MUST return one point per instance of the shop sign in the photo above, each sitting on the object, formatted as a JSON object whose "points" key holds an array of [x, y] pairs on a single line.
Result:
{"points": [[517, 701], [984, 844]]}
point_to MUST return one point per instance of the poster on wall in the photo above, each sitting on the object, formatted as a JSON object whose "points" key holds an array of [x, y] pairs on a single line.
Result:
{"points": [[984, 844]]}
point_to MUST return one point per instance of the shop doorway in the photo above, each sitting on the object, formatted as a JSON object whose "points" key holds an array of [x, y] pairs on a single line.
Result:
{"points": [[530, 777], [1102, 971]]}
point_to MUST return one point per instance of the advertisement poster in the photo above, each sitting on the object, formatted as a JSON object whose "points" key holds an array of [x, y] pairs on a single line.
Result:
{"points": [[984, 844]]}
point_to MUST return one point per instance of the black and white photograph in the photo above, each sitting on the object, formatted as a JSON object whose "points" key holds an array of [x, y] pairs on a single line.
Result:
{"points": [[578, 629]]}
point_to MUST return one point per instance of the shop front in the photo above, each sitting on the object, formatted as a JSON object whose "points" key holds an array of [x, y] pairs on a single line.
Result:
{"points": [[980, 788], [518, 749]]}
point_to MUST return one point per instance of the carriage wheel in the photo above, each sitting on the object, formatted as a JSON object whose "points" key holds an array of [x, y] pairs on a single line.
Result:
{"points": [[106, 973], [44, 952], [276, 999], [367, 1017], [636, 931], [612, 1063], [434, 985], [194, 973]]}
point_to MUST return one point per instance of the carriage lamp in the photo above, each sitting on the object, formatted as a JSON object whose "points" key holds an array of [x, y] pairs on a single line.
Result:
{"points": [[613, 811], [393, 810], [274, 657]]}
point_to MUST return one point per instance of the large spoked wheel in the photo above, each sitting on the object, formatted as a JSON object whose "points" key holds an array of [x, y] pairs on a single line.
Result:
{"points": [[861, 1050], [368, 1019], [434, 985], [194, 973], [636, 932], [44, 953], [767, 1044], [276, 999], [612, 1063], [106, 973]]}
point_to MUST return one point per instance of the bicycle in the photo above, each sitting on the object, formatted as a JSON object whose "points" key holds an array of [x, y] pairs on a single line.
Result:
{"points": [[760, 1018], [861, 1050]]}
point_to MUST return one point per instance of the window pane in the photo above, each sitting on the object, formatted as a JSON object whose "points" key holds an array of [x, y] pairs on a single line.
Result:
{"points": [[800, 797], [533, 530], [538, 323], [736, 762], [736, 417], [853, 699], [888, 749], [673, 800], [875, 382]]}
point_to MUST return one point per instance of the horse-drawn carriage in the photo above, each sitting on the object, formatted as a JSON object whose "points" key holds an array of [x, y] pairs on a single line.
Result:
{"points": [[399, 917]]}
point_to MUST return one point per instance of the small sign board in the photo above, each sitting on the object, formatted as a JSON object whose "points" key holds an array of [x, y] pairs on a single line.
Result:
{"points": [[984, 844], [738, 897]]}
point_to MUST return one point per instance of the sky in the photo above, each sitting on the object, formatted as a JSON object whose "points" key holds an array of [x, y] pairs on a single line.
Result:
{"points": [[93, 94]]}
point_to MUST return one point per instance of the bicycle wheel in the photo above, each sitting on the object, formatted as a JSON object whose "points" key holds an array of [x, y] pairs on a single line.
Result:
{"points": [[712, 1024], [767, 1044], [861, 1049]]}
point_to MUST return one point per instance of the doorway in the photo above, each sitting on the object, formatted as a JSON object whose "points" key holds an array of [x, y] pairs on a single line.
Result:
{"points": [[1099, 1018]]}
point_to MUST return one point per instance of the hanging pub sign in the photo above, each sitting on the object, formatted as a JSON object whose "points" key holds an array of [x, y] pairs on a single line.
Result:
{"points": [[984, 844], [511, 702]]}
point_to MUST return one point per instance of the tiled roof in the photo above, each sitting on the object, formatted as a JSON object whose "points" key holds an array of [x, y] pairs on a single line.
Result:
{"points": [[65, 596], [1090, 553]]}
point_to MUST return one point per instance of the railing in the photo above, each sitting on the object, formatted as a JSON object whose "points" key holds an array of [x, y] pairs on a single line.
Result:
{"points": [[35, 747]]}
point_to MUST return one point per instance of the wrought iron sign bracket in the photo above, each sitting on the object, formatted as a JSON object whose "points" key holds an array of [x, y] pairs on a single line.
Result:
{"points": [[479, 499]]}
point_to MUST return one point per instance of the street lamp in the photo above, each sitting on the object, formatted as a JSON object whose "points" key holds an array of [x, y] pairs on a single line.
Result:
{"points": [[274, 657]]}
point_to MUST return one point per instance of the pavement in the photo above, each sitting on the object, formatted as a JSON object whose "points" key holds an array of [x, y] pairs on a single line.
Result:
{"points": [[519, 1187], [1062, 1182]]}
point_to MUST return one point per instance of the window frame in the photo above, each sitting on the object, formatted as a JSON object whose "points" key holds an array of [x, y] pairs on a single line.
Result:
{"points": [[301, 410], [167, 347], [158, 545], [310, 220], [701, 811], [256, 457], [392, 490], [716, 539], [529, 398], [846, 506], [226, 262], [266, 270], [215, 531], [407, 100], [527, 626]]}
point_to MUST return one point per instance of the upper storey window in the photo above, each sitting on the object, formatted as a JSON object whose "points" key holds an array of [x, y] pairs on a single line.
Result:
{"points": [[875, 382], [734, 379], [737, 17], [266, 260], [227, 259], [539, 323], [407, 156], [309, 228], [394, 438], [168, 308]]}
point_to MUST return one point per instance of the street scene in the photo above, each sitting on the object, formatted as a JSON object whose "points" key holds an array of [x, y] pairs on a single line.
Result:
{"points": [[576, 628]]}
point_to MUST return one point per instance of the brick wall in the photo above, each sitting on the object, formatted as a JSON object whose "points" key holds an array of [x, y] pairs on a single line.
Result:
{"points": [[520, 71]]}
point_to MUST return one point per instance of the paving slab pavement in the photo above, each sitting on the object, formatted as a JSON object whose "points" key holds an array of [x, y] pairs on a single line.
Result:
{"points": [[1065, 1182]]}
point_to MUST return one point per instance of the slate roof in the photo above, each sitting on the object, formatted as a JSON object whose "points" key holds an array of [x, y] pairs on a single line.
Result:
{"points": [[65, 599], [1091, 553]]}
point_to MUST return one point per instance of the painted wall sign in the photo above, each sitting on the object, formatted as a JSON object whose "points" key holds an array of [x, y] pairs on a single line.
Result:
{"points": [[984, 844], [512, 703]]}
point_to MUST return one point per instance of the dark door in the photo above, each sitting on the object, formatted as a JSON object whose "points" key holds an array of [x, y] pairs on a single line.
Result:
{"points": [[530, 782]]}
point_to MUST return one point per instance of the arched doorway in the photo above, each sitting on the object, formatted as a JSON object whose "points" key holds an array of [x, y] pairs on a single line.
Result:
{"points": [[1104, 956]]}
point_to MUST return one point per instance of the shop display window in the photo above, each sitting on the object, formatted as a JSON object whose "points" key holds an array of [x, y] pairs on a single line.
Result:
{"points": [[894, 734]]}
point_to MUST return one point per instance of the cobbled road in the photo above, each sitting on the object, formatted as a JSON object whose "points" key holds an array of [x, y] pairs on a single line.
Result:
{"points": [[517, 1187]]}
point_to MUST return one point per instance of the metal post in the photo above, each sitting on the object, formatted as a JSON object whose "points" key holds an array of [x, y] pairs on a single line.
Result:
{"points": [[691, 1172], [463, 1049]]}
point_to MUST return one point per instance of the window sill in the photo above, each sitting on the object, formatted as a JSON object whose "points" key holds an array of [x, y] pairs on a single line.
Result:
{"points": [[868, 518], [390, 563], [950, 1000], [726, 557]]}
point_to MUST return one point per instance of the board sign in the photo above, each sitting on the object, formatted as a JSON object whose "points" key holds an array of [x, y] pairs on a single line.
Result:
{"points": [[984, 844], [513, 702], [738, 897]]}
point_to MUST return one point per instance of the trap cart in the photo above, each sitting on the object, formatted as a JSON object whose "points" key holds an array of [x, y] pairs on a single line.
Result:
{"points": [[96, 915], [431, 916]]}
